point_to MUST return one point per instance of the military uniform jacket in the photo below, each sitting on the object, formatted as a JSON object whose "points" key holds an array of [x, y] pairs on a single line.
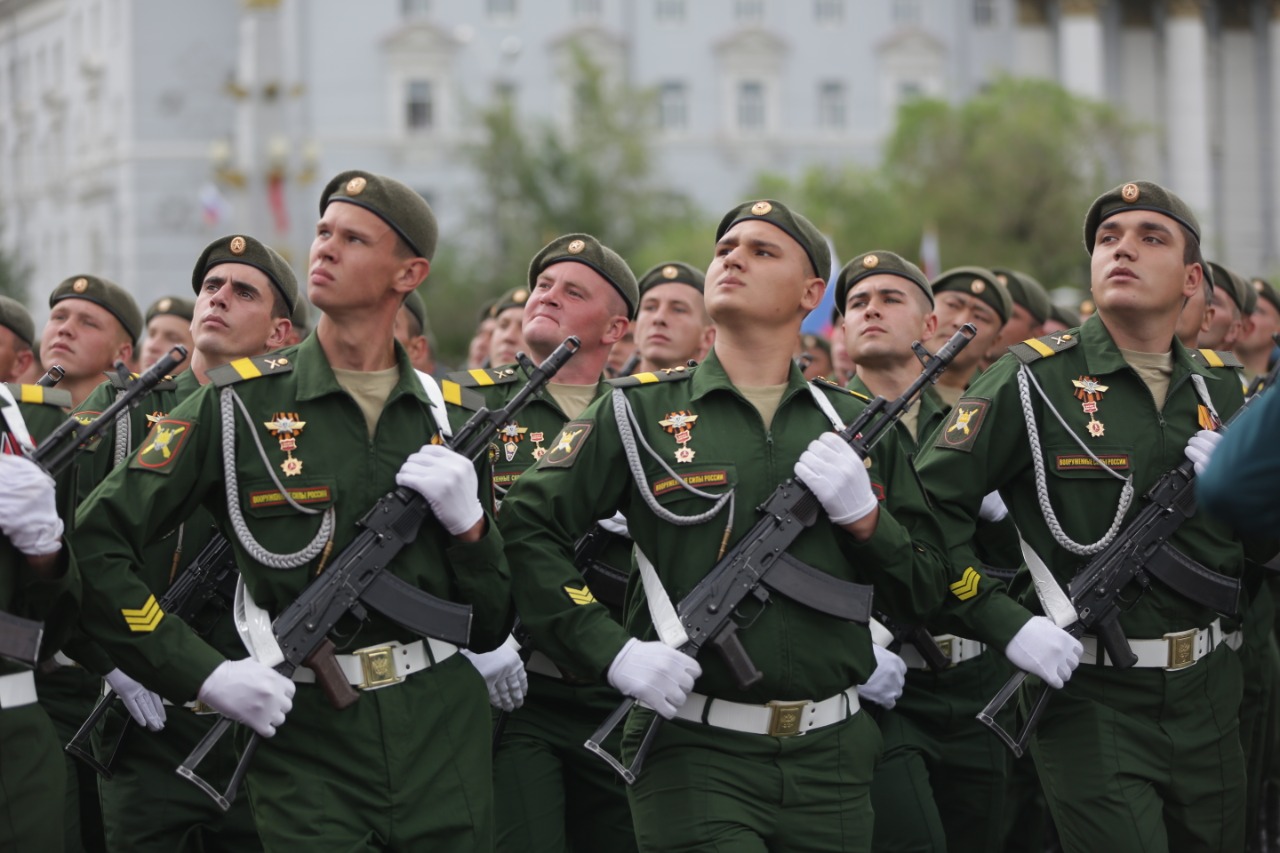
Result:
{"points": [[803, 654], [984, 446], [306, 425], [933, 411]]}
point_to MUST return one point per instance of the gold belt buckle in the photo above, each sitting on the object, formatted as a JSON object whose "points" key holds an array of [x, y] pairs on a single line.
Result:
{"points": [[200, 708], [1182, 649], [945, 646], [785, 719], [378, 664]]}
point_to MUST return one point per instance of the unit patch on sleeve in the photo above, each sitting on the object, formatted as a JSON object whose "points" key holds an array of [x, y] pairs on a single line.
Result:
{"points": [[961, 429], [144, 619], [564, 450], [163, 445]]}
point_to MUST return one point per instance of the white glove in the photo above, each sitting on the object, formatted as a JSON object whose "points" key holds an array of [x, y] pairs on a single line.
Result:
{"points": [[617, 524], [837, 477], [887, 679], [1042, 648], [503, 673], [28, 514], [993, 508], [1200, 447], [448, 481], [250, 693], [656, 675], [145, 707]]}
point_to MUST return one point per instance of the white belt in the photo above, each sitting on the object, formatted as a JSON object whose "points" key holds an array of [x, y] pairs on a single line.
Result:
{"points": [[778, 718], [382, 666], [1174, 651], [17, 689], [957, 649]]}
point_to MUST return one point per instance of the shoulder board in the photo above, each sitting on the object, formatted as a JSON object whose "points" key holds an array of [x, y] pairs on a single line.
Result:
{"points": [[1214, 358], [40, 395], [1033, 349], [456, 395], [166, 384], [250, 368], [480, 377], [669, 374], [824, 382]]}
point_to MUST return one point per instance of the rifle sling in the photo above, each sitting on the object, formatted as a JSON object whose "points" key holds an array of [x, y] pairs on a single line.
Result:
{"points": [[606, 583], [818, 590], [1194, 581], [418, 611]]}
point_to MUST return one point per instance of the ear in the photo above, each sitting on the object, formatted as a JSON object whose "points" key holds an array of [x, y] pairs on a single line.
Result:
{"points": [[280, 329], [1193, 281], [708, 339], [930, 326], [616, 330], [124, 353], [814, 288], [23, 362], [1210, 311], [411, 274]]}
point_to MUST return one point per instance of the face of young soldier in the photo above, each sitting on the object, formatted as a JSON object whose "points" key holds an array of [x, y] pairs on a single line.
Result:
{"points": [[1263, 323], [355, 259], [1136, 267], [1222, 323], [1021, 326], [164, 332], [507, 338], [883, 315], [478, 349], [760, 276], [15, 355], [1193, 317], [569, 298], [416, 346], [953, 310], [84, 338], [671, 327], [233, 316]]}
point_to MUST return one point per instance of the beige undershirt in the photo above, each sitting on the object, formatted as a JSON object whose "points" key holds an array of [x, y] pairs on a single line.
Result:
{"points": [[369, 389], [1155, 368], [766, 399], [572, 399], [911, 418], [951, 396]]}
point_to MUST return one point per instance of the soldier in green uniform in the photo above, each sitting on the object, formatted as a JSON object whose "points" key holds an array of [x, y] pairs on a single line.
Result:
{"points": [[414, 334], [1029, 306], [17, 337], [288, 451], [1073, 431], [244, 295], [707, 445], [1255, 346], [550, 794], [1231, 300], [167, 324], [967, 295], [672, 326]]}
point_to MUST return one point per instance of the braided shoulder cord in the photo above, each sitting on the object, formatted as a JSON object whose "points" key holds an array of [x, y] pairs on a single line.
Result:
{"points": [[124, 441]]}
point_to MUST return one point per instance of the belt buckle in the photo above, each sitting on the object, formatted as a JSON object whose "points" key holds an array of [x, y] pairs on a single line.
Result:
{"points": [[785, 718], [945, 646], [200, 709], [1182, 649], [378, 664]]}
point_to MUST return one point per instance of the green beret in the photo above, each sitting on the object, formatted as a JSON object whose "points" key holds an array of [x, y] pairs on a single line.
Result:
{"points": [[1137, 195], [585, 249], [676, 272], [300, 317], [404, 210], [516, 297], [1026, 291], [800, 229], [174, 305], [417, 308], [878, 263], [1264, 290], [239, 249], [15, 317], [1240, 291], [1066, 316], [978, 282], [108, 294]]}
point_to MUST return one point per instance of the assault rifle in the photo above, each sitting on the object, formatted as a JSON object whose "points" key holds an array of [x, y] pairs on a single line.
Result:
{"points": [[210, 576], [52, 376], [759, 562], [356, 581], [1140, 552]]}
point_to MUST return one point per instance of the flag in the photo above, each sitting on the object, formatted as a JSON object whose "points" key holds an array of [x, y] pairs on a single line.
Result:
{"points": [[818, 321], [930, 255], [275, 196], [213, 206]]}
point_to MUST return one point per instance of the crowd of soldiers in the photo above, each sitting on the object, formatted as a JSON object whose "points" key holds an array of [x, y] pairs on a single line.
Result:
{"points": [[932, 541]]}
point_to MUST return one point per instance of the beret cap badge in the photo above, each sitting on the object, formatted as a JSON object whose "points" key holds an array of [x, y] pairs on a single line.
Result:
{"points": [[575, 247], [237, 246], [871, 262], [760, 208], [164, 304], [81, 285], [977, 286], [670, 271], [1130, 193], [356, 185]]}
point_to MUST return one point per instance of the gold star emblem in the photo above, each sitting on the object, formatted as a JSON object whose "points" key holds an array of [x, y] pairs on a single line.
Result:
{"points": [[760, 208], [1130, 193], [356, 185], [870, 262], [237, 246], [670, 271], [575, 246]]}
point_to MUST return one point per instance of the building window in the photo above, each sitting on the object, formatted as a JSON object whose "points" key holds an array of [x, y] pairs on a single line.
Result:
{"points": [[673, 107], [669, 11], [831, 105], [419, 114], [501, 10], [415, 8], [751, 105], [906, 12], [828, 11], [590, 9], [748, 11], [984, 12]]}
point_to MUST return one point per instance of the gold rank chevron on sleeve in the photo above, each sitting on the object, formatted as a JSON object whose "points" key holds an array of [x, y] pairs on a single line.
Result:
{"points": [[144, 619]]}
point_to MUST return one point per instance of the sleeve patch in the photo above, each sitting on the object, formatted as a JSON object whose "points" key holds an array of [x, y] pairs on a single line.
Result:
{"points": [[961, 428], [967, 587], [144, 619], [164, 444], [564, 451], [580, 596]]}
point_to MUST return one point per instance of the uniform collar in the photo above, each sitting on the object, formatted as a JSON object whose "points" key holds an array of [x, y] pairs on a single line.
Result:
{"points": [[1102, 356], [710, 376], [315, 376]]}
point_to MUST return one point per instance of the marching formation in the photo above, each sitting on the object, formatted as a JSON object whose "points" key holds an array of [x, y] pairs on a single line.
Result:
{"points": [[656, 572]]}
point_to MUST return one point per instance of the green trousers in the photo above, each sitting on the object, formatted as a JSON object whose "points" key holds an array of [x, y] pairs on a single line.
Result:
{"points": [[716, 791], [68, 694], [551, 795], [147, 808], [406, 768], [1140, 760], [1256, 708], [32, 778], [940, 785]]}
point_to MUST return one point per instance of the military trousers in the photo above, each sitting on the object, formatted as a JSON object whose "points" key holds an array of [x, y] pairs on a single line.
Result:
{"points": [[406, 768], [32, 779], [68, 694], [940, 784], [1145, 760], [551, 794], [718, 791], [1257, 710]]}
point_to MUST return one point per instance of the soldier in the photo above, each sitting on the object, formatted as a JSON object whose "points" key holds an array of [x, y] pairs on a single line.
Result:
{"points": [[318, 433], [727, 773], [967, 295], [815, 357], [672, 326], [245, 293], [414, 334], [1073, 431], [478, 347], [507, 338], [299, 323], [1060, 319], [93, 323], [1232, 300], [1028, 310], [17, 337], [1197, 313], [168, 324], [551, 794], [1255, 345]]}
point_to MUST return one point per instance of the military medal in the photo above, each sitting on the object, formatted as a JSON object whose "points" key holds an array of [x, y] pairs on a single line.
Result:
{"points": [[155, 418], [286, 427], [538, 450], [680, 426], [1089, 392], [512, 434]]}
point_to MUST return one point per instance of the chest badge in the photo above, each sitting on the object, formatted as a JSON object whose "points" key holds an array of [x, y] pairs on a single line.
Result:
{"points": [[680, 426], [286, 427], [538, 450], [512, 434], [1089, 393]]}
